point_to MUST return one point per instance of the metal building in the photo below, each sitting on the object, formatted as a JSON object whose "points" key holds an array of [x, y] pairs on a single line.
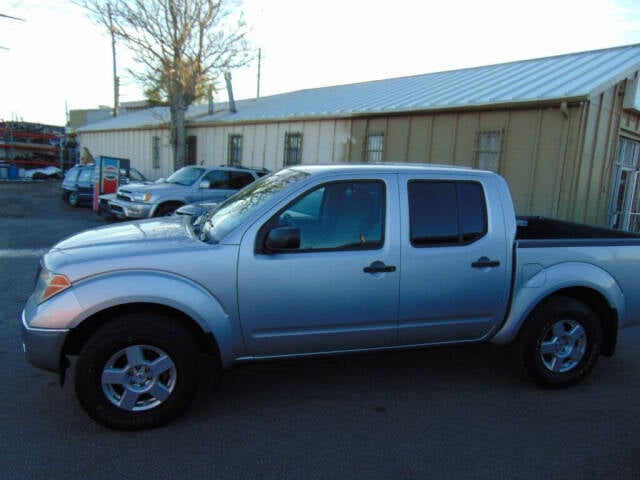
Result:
{"points": [[564, 131]]}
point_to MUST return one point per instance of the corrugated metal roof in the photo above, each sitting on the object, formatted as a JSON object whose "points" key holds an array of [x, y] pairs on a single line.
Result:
{"points": [[576, 75]]}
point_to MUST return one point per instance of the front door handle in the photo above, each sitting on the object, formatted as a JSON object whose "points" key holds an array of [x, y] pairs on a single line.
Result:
{"points": [[379, 267], [485, 262]]}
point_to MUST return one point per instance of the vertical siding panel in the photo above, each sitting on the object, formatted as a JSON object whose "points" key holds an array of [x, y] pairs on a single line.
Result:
{"points": [[326, 141], [465, 139], [548, 162], [586, 161], [516, 162], [358, 133], [397, 139], [417, 145], [613, 113], [443, 138]]}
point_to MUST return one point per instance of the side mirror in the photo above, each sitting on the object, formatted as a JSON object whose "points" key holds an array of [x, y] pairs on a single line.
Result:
{"points": [[282, 239], [205, 184]]}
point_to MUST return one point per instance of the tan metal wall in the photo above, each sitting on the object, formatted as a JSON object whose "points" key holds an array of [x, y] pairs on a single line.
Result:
{"points": [[136, 145], [263, 144], [537, 145], [557, 159]]}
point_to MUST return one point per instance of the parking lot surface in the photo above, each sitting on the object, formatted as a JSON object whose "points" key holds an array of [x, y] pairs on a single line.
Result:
{"points": [[445, 413]]}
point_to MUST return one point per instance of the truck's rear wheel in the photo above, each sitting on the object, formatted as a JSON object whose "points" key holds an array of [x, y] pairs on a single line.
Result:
{"points": [[136, 372], [560, 343]]}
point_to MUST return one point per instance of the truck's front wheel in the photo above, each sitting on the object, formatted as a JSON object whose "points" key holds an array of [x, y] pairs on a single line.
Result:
{"points": [[560, 343], [136, 372]]}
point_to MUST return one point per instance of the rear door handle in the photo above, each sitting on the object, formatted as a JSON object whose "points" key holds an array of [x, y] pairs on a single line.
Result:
{"points": [[379, 267], [485, 262]]}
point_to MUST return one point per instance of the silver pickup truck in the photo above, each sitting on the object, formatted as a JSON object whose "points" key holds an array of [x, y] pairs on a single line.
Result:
{"points": [[319, 260]]}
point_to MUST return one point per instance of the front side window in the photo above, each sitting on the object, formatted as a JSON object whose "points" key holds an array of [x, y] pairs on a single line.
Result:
{"points": [[338, 216], [214, 225], [185, 176], [374, 147], [235, 150], [292, 149], [446, 213], [217, 179]]}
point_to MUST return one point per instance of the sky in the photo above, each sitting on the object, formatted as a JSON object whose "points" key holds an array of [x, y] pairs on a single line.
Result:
{"points": [[58, 60]]}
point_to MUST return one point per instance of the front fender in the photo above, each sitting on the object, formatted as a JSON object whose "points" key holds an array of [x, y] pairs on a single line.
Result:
{"points": [[95, 294], [548, 281]]}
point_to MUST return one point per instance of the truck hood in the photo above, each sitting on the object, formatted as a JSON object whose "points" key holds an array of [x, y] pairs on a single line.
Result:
{"points": [[125, 245], [148, 187], [153, 229]]}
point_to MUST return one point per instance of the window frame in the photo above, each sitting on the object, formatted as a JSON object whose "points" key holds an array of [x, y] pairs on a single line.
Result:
{"points": [[481, 150], [289, 149], [461, 242], [234, 149], [274, 220], [367, 151], [155, 152]]}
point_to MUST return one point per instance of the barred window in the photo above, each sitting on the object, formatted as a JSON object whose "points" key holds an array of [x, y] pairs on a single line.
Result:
{"points": [[292, 149], [489, 149], [373, 148], [235, 150], [155, 152]]}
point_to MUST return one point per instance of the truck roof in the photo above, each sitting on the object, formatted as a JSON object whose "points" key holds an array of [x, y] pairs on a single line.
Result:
{"points": [[386, 167]]}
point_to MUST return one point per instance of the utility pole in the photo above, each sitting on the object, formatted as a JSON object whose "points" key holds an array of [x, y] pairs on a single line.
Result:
{"points": [[116, 80], [259, 64]]}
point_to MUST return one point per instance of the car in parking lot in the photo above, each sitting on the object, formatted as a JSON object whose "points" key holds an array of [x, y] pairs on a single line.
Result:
{"points": [[187, 185], [79, 182]]}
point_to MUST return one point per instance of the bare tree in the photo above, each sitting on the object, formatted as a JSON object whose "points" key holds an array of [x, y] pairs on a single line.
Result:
{"points": [[183, 47]]}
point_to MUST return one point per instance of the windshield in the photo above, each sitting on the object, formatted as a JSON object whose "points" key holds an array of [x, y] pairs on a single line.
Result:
{"points": [[185, 176], [212, 226]]}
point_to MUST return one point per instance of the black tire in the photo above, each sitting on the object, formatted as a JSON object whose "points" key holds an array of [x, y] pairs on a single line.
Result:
{"points": [[166, 209], [73, 199], [152, 363], [560, 342]]}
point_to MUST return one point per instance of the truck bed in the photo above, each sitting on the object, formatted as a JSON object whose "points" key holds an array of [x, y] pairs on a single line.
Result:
{"points": [[535, 231]]}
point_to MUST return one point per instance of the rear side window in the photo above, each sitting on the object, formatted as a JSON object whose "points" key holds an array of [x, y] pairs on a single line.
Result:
{"points": [[446, 213], [240, 179]]}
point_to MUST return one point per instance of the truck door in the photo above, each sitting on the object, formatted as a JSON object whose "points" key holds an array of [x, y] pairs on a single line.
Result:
{"points": [[454, 283], [338, 290]]}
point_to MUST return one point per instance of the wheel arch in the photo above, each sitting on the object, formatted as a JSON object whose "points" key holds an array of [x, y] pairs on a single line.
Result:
{"points": [[78, 336], [586, 283], [598, 303], [174, 201]]}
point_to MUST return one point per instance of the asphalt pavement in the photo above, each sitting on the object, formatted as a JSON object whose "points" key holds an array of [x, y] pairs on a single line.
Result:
{"points": [[444, 413]]}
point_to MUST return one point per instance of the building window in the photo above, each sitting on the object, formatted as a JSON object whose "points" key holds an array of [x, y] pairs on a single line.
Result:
{"points": [[234, 156], [292, 149], [624, 208], [489, 149], [192, 150], [155, 152], [373, 147]]}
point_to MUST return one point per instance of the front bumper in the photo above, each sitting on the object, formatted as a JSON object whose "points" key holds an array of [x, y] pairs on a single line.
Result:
{"points": [[125, 209], [43, 347]]}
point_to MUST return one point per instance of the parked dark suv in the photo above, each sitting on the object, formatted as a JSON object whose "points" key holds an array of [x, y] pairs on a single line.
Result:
{"points": [[78, 183]]}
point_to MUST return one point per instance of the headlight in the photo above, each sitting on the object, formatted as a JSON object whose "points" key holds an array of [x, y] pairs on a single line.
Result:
{"points": [[141, 196], [50, 284]]}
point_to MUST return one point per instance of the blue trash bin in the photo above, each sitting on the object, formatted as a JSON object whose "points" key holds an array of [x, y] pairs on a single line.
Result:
{"points": [[13, 172]]}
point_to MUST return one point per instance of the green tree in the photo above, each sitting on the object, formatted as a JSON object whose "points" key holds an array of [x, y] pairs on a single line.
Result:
{"points": [[182, 47]]}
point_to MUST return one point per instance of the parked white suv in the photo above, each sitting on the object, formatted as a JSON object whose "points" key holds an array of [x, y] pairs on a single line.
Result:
{"points": [[187, 185]]}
